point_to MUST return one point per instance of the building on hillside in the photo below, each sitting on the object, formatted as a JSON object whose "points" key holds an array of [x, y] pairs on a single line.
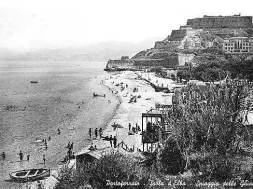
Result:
{"points": [[238, 45]]}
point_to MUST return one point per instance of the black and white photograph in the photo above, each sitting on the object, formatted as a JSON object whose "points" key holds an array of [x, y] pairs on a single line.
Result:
{"points": [[126, 94]]}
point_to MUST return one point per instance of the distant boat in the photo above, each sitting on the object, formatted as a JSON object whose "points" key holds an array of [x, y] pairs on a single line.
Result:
{"points": [[30, 174], [33, 81]]}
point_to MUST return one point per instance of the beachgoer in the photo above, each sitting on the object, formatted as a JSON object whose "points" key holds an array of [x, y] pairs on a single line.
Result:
{"points": [[3, 155], [59, 132], [90, 132], [111, 140], [95, 147], [68, 146], [45, 146], [71, 146], [129, 126], [39, 185], [28, 157], [21, 155], [49, 138], [96, 132], [73, 155], [133, 129], [114, 141], [69, 153], [100, 132], [44, 159], [91, 147]]}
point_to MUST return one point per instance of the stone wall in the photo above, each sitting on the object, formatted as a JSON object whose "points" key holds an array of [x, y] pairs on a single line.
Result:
{"points": [[122, 64], [221, 22], [177, 35]]}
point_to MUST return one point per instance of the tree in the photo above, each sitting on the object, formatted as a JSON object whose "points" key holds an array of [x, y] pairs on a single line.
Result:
{"points": [[210, 121], [183, 74]]}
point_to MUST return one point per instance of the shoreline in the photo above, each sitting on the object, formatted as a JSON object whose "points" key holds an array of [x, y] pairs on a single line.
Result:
{"points": [[123, 113], [81, 121]]}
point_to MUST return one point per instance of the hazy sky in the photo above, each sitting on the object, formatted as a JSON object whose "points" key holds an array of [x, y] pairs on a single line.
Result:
{"points": [[29, 24]]}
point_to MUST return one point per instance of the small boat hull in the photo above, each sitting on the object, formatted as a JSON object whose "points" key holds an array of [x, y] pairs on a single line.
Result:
{"points": [[30, 174]]}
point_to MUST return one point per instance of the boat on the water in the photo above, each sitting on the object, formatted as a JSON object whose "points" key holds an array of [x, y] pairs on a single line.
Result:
{"points": [[30, 174], [33, 81]]}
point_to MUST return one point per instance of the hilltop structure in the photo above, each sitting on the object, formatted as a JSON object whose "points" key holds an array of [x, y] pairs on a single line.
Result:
{"points": [[200, 36]]}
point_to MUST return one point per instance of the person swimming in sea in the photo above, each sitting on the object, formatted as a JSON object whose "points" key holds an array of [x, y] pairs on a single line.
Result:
{"points": [[3, 155]]}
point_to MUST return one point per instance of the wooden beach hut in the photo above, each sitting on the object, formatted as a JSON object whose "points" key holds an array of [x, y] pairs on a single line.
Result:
{"points": [[88, 156], [152, 129]]}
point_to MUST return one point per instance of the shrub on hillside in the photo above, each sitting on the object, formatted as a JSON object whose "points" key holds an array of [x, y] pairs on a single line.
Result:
{"points": [[111, 168]]}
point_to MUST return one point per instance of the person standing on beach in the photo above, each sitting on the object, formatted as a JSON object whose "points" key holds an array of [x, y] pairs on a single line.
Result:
{"points": [[28, 157], [21, 155], [96, 133], [44, 159], [129, 126], [71, 146], [59, 132], [90, 132], [111, 140], [115, 141], [100, 133]]}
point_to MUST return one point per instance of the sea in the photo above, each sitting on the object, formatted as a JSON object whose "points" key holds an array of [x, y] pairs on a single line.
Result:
{"points": [[61, 97]]}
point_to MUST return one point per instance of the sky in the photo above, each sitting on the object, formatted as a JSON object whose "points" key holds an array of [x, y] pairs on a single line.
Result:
{"points": [[34, 24]]}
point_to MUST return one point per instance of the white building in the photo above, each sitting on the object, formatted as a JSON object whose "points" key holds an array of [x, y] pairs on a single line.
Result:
{"points": [[238, 45]]}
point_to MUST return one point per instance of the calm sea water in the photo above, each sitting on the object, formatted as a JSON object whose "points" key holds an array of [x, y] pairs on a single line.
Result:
{"points": [[62, 99]]}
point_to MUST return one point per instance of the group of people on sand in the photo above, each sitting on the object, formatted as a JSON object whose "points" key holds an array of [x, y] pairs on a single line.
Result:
{"points": [[70, 154], [135, 129], [21, 157], [96, 133]]}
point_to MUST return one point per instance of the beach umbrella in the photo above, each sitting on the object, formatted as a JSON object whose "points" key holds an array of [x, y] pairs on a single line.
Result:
{"points": [[116, 126]]}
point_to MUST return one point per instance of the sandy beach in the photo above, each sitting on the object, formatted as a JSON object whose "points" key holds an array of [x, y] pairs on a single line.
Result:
{"points": [[125, 113]]}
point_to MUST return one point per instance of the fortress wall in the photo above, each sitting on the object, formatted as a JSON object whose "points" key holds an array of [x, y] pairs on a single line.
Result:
{"points": [[221, 22], [119, 64], [177, 35]]}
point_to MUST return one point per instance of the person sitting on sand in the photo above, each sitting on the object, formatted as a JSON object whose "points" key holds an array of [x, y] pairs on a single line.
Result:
{"points": [[91, 147]]}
